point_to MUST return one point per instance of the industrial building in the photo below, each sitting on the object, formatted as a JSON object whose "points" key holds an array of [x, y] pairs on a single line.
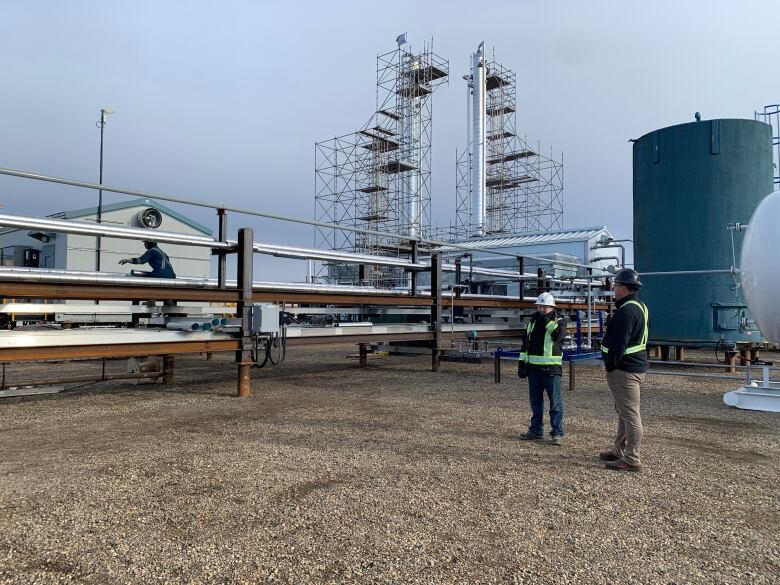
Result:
{"points": [[61, 251], [562, 254]]}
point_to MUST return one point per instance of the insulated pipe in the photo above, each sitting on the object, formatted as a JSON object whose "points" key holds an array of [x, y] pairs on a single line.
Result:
{"points": [[298, 253], [79, 277], [17, 273], [106, 230], [184, 326], [478, 142], [411, 122], [161, 197]]}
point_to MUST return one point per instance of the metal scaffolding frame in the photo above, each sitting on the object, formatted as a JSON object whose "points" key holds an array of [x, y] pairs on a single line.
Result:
{"points": [[771, 115], [523, 188], [379, 178]]}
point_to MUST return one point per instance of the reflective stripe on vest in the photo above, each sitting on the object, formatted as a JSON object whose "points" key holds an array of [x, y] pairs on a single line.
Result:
{"points": [[642, 345], [548, 359]]}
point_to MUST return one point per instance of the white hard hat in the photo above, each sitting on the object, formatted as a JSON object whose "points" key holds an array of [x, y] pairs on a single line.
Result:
{"points": [[546, 299]]}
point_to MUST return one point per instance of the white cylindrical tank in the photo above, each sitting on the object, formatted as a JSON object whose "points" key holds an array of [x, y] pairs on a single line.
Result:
{"points": [[760, 267], [478, 116]]}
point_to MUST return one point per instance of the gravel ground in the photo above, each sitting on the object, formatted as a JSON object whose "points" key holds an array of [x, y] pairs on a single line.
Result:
{"points": [[391, 474]]}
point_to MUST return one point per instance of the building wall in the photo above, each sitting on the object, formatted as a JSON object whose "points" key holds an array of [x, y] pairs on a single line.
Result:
{"points": [[75, 252], [187, 260]]}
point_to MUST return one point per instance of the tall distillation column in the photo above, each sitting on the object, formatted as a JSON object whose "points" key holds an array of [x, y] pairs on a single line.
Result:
{"points": [[477, 147], [411, 140]]}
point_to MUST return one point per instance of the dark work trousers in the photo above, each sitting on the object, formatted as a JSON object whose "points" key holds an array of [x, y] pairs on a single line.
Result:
{"points": [[538, 382]]}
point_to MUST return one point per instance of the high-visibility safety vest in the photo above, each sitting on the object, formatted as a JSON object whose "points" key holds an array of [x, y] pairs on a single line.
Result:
{"points": [[642, 345], [548, 359]]}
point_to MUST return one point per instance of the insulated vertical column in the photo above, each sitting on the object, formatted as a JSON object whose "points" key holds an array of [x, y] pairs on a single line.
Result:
{"points": [[478, 116]]}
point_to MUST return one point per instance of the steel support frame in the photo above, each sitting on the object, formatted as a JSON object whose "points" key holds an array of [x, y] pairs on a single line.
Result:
{"points": [[222, 256], [436, 307], [244, 309]]}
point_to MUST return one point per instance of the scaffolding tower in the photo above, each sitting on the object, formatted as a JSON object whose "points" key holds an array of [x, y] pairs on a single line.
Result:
{"points": [[379, 178], [522, 189]]}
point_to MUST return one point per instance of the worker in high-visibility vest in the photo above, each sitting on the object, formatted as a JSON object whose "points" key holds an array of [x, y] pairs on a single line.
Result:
{"points": [[625, 359], [540, 361]]}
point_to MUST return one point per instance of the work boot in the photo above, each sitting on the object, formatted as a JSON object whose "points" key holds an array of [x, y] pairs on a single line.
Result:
{"points": [[556, 440], [620, 465], [608, 456], [529, 436]]}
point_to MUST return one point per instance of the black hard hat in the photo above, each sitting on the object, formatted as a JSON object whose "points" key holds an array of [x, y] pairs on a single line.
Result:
{"points": [[627, 276], [149, 243]]}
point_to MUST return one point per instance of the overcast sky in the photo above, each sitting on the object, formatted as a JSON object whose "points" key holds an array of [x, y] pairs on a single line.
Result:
{"points": [[223, 101]]}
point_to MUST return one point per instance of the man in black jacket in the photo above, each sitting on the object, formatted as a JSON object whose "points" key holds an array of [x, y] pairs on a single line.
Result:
{"points": [[540, 360], [625, 359]]}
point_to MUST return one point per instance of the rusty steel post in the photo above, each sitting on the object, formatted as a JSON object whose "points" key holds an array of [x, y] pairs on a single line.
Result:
{"points": [[436, 309], [168, 369], [222, 257], [497, 368], [754, 354], [244, 308], [744, 356], [731, 361], [243, 380], [363, 352]]}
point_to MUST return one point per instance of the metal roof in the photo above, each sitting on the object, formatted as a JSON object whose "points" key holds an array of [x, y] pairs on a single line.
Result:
{"points": [[553, 237], [139, 202]]}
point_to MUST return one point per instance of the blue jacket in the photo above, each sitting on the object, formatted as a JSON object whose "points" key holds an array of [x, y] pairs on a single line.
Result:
{"points": [[158, 260]]}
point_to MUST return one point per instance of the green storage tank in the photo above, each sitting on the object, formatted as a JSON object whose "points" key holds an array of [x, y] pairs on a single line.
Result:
{"points": [[690, 182]]}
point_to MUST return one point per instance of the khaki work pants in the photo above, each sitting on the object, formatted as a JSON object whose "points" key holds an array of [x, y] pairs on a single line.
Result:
{"points": [[625, 390]]}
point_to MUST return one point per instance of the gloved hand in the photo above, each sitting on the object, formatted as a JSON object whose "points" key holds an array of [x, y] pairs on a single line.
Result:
{"points": [[125, 261], [522, 369]]}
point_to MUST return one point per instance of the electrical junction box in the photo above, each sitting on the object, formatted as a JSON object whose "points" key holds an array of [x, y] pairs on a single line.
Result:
{"points": [[265, 318]]}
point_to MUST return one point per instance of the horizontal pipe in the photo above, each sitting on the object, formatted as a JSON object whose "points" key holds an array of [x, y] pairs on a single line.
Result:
{"points": [[20, 274], [84, 277], [78, 379], [106, 230], [695, 375], [335, 256], [17, 273], [718, 365], [193, 202], [130, 233], [161, 197], [688, 272]]}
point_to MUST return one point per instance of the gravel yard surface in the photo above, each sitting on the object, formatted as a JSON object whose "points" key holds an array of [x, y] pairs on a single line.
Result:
{"points": [[330, 473]]}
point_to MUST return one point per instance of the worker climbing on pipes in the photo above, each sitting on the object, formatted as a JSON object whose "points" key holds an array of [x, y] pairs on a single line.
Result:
{"points": [[625, 359], [540, 361], [156, 258]]}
